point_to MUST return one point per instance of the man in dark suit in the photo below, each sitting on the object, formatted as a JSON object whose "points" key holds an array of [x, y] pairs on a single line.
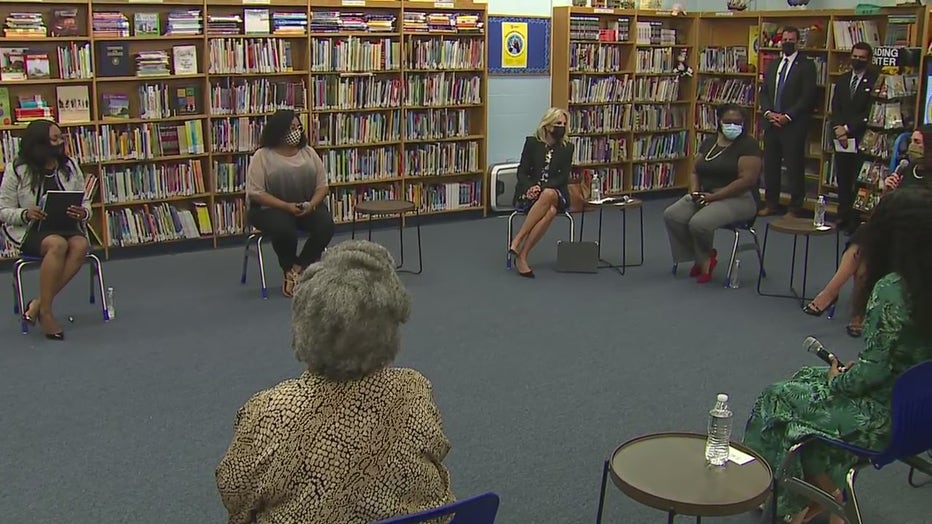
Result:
{"points": [[787, 99], [851, 106]]}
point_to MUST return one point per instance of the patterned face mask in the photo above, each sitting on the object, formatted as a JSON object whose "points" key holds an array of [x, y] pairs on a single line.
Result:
{"points": [[293, 138]]}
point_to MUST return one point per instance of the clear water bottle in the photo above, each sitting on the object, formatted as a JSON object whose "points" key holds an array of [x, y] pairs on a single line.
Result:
{"points": [[719, 441], [818, 220], [735, 281], [111, 310], [595, 188]]}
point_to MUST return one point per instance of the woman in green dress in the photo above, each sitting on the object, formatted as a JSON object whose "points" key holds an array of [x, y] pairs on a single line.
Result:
{"points": [[854, 404]]}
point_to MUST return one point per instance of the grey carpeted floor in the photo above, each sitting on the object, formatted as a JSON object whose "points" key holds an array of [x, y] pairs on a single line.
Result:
{"points": [[538, 381]]}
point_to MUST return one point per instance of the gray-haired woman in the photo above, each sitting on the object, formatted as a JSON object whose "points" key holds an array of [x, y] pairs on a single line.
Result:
{"points": [[351, 440]]}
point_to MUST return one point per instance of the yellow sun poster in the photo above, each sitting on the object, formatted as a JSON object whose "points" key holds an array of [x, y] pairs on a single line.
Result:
{"points": [[514, 45]]}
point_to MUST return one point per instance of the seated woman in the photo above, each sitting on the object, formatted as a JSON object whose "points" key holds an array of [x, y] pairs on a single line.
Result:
{"points": [[541, 191], [726, 171], [912, 175], [41, 165], [854, 405], [286, 185], [352, 440]]}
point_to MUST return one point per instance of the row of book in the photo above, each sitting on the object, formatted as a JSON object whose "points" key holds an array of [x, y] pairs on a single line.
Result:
{"points": [[722, 90], [232, 96], [729, 59], [441, 159], [646, 177], [127, 184], [230, 175], [361, 165], [599, 150], [352, 129], [355, 54], [258, 21], [594, 28], [658, 60], [432, 54], [596, 58], [610, 118], [612, 178], [666, 146]]}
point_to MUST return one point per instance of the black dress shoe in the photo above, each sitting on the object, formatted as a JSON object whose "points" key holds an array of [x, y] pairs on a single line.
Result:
{"points": [[55, 336], [526, 274]]}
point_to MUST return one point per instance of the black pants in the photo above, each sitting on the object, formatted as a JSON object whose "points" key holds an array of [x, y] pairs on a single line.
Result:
{"points": [[282, 229], [847, 167], [786, 147]]}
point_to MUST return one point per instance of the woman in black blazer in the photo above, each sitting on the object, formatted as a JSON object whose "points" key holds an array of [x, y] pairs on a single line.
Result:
{"points": [[541, 191]]}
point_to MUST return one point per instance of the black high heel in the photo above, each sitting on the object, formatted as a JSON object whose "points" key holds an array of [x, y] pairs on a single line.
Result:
{"points": [[527, 274], [816, 312], [26, 318], [54, 336]]}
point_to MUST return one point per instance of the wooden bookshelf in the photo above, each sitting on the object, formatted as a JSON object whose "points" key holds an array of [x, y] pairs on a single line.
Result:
{"points": [[736, 30], [629, 109], [376, 95]]}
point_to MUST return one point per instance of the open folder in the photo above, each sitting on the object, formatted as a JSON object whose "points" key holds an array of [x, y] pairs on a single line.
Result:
{"points": [[55, 205]]}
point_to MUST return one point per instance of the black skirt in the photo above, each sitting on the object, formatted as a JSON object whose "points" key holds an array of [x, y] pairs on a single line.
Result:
{"points": [[32, 243]]}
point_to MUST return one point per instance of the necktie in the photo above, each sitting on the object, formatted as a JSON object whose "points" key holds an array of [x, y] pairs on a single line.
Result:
{"points": [[781, 77], [855, 80]]}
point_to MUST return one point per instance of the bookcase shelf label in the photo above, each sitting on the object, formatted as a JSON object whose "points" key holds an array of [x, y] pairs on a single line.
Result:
{"points": [[724, 13], [257, 2], [604, 10], [448, 4], [354, 3]]}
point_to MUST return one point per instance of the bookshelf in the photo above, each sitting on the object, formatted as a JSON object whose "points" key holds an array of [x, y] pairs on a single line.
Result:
{"points": [[392, 93], [629, 108], [731, 69]]}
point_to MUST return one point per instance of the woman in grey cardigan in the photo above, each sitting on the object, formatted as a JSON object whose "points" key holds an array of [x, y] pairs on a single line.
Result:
{"points": [[41, 165]]}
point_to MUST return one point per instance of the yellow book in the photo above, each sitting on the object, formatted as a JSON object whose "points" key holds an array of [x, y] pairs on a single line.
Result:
{"points": [[753, 44]]}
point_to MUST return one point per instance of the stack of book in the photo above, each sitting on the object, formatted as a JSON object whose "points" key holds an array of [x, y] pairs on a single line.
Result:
{"points": [[25, 25]]}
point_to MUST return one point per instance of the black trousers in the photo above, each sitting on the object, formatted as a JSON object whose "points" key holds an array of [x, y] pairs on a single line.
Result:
{"points": [[786, 147], [282, 229], [847, 167]]}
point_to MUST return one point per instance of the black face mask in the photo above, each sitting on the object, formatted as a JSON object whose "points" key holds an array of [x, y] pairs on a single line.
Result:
{"points": [[58, 150], [558, 132], [789, 48], [858, 65]]}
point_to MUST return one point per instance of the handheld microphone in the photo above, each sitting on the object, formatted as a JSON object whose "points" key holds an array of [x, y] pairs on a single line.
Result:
{"points": [[900, 167], [812, 345]]}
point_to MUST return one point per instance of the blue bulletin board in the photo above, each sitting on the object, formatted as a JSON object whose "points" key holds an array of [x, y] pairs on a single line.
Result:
{"points": [[519, 45]]}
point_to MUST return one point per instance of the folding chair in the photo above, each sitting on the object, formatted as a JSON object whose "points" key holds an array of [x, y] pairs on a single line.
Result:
{"points": [[476, 510], [911, 412], [96, 277], [511, 220]]}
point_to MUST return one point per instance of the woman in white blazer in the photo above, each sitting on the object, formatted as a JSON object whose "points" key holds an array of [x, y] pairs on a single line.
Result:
{"points": [[41, 165]]}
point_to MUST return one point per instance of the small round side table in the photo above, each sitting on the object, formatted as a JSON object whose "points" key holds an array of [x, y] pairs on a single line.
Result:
{"points": [[797, 227], [372, 208], [668, 472]]}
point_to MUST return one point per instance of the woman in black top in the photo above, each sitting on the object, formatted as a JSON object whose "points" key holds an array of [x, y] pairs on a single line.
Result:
{"points": [[541, 191], [727, 168], [911, 175]]}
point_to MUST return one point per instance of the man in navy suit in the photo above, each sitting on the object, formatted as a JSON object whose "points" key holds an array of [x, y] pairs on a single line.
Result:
{"points": [[787, 100], [851, 106]]}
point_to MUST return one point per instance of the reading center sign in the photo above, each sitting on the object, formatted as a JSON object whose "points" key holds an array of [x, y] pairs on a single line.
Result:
{"points": [[886, 56]]}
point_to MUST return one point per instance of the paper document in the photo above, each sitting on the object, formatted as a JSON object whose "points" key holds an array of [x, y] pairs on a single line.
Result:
{"points": [[852, 146], [739, 457]]}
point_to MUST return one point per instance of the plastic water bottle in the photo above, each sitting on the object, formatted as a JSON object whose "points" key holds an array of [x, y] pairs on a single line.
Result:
{"points": [[818, 220], [595, 188], [111, 310], [735, 281], [719, 440]]}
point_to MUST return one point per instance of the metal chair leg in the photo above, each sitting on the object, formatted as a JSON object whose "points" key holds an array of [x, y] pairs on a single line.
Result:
{"points": [[90, 278], [98, 270], [18, 284], [675, 266], [760, 254], [261, 263], [510, 232], [734, 255], [16, 306], [572, 225], [249, 239]]}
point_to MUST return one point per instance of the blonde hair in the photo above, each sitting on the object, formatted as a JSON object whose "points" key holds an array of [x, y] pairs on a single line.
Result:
{"points": [[550, 117]]}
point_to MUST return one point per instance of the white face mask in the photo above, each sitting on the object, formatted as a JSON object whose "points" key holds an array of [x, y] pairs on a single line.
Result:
{"points": [[293, 138], [732, 131]]}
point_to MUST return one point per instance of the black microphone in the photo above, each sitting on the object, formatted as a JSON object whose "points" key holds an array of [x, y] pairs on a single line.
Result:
{"points": [[812, 345]]}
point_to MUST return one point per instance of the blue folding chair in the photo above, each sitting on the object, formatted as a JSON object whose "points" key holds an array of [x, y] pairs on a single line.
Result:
{"points": [[911, 412], [96, 281], [480, 509]]}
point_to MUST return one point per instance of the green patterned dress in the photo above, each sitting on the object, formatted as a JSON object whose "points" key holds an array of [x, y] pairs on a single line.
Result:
{"points": [[854, 406]]}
